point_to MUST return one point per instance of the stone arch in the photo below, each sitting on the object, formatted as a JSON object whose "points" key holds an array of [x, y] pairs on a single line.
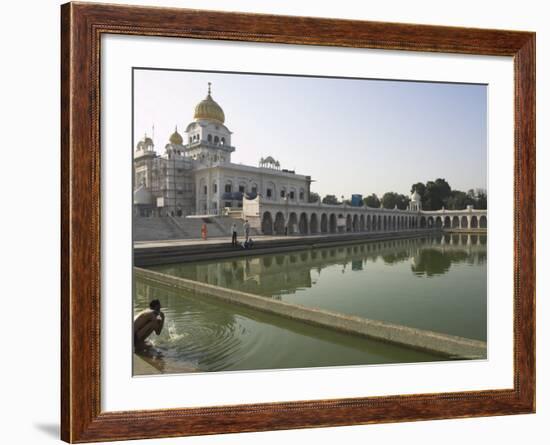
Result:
{"points": [[369, 223], [292, 223], [456, 222], [324, 223], [483, 222], [474, 222], [379, 223], [355, 223], [303, 224], [447, 222], [422, 222], [313, 223], [438, 222], [348, 223], [385, 223], [332, 223], [279, 224], [430, 221], [464, 222], [394, 223], [362, 223], [267, 224]]}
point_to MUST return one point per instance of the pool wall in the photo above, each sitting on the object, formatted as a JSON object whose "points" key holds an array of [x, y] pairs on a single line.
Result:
{"points": [[434, 342]]}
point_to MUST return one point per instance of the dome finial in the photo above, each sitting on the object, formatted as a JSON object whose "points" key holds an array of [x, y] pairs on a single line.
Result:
{"points": [[176, 138], [208, 108]]}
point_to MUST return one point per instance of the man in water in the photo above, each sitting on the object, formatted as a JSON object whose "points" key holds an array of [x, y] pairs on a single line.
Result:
{"points": [[145, 323]]}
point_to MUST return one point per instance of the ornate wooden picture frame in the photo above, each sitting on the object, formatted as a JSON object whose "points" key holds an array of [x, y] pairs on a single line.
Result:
{"points": [[82, 25]]}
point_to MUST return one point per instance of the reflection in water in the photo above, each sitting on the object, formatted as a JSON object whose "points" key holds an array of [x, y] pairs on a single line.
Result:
{"points": [[434, 282]]}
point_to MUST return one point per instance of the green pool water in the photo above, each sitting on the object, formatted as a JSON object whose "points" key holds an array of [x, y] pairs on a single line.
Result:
{"points": [[436, 282]]}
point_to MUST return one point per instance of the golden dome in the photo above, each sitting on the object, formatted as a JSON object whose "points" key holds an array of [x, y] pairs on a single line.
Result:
{"points": [[209, 109], [176, 138]]}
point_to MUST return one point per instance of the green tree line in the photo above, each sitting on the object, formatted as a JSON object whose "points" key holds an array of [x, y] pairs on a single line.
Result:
{"points": [[434, 196]]}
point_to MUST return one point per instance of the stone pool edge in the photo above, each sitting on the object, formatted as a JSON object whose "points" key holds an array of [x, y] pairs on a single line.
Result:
{"points": [[434, 342]]}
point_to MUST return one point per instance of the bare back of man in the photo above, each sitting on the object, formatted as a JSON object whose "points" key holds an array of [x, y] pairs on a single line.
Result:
{"points": [[145, 323]]}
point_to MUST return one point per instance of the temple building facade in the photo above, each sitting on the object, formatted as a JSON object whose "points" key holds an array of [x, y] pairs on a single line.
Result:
{"points": [[198, 178]]}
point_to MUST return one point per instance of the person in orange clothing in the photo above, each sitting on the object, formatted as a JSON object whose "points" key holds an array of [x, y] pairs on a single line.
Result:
{"points": [[204, 231]]}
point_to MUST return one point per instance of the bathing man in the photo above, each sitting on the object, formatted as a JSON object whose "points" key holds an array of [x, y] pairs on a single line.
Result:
{"points": [[145, 323]]}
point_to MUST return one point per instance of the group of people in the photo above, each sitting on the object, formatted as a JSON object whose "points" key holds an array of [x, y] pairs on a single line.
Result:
{"points": [[248, 242]]}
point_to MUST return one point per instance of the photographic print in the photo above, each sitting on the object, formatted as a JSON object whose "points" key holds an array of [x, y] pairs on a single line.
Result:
{"points": [[284, 221]]}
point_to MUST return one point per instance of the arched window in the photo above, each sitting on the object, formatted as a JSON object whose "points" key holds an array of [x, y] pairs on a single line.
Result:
{"points": [[228, 187], [209, 138], [223, 141], [216, 140]]}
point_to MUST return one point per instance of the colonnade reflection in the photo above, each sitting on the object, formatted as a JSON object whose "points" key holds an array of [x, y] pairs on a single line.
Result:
{"points": [[277, 274]]}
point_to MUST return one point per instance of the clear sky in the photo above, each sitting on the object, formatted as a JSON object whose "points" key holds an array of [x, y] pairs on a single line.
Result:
{"points": [[351, 135]]}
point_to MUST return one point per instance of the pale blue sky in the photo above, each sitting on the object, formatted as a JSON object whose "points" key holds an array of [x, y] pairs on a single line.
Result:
{"points": [[351, 135]]}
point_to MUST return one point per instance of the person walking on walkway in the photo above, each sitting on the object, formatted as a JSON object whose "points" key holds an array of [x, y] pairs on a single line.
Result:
{"points": [[234, 242], [204, 232], [246, 228]]}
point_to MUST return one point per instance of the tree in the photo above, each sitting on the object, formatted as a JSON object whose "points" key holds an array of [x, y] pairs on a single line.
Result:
{"points": [[437, 192], [457, 201], [372, 201], [314, 197], [481, 199], [390, 200], [419, 187], [330, 199]]}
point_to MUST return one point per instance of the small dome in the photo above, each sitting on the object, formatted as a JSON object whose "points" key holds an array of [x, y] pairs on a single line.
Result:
{"points": [[415, 197], [209, 109], [145, 144], [176, 138]]}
